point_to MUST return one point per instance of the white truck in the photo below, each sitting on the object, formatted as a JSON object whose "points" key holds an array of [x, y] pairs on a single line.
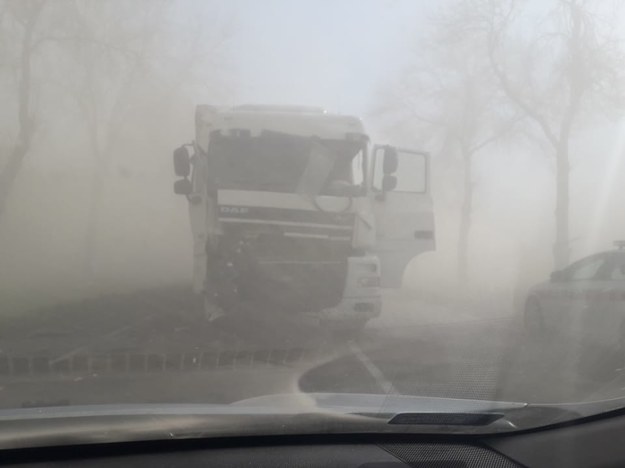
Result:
{"points": [[292, 209]]}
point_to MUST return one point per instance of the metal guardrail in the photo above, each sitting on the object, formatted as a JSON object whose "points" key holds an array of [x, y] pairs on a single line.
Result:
{"points": [[126, 363]]}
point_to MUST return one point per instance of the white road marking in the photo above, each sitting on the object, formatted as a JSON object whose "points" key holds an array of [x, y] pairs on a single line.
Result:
{"points": [[386, 385]]}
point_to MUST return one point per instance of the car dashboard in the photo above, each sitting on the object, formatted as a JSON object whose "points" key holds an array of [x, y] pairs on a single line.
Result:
{"points": [[593, 442]]}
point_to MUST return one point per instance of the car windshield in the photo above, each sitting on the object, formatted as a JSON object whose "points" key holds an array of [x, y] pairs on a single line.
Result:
{"points": [[282, 208]]}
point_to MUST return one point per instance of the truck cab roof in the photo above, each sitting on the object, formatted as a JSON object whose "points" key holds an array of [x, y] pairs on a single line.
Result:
{"points": [[294, 120]]}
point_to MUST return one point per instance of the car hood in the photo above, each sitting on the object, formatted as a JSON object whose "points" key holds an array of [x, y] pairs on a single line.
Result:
{"points": [[317, 413]]}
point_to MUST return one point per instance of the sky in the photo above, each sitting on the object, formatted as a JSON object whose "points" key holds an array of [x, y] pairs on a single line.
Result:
{"points": [[332, 54]]}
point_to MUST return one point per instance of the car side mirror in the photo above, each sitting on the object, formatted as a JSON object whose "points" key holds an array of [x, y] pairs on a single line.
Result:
{"points": [[389, 183], [183, 187], [182, 162], [558, 276], [391, 161]]}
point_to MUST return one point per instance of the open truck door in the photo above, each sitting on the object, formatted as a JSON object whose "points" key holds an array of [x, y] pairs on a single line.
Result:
{"points": [[403, 209]]}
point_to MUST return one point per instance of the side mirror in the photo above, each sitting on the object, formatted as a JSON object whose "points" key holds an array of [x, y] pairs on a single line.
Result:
{"points": [[389, 183], [182, 162], [391, 161], [558, 277], [183, 187]]}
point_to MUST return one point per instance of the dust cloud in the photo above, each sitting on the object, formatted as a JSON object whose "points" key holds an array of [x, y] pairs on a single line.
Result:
{"points": [[109, 107]]}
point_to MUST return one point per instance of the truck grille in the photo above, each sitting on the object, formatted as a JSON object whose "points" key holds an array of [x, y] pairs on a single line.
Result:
{"points": [[303, 274]]}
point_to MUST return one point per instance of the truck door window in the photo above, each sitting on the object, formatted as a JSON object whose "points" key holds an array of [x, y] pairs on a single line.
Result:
{"points": [[411, 172]]}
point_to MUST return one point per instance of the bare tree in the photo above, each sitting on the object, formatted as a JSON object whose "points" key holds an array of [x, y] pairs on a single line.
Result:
{"points": [[110, 62], [569, 67], [447, 95], [25, 17], [119, 54]]}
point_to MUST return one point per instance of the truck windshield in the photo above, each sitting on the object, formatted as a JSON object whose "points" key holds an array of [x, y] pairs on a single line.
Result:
{"points": [[280, 163]]}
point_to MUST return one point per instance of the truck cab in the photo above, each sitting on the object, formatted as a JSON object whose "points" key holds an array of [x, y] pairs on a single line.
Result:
{"points": [[291, 207]]}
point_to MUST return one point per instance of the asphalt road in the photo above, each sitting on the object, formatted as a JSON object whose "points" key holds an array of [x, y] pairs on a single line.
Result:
{"points": [[150, 347]]}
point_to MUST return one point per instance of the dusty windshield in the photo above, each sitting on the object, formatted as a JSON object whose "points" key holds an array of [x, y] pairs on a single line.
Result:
{"points": [[215, 201], [282, 163]]}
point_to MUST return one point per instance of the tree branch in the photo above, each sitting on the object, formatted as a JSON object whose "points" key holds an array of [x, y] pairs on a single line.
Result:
{"points": [[513, 93], [497, 134]]}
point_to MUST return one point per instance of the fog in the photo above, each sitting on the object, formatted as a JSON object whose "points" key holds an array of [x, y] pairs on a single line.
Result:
{"points": [[112, 92]]}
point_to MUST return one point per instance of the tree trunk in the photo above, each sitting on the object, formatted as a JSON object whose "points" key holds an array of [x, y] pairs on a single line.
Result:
{"points": [[9, 173], [101, 166], [465, 221], [93, 218], [561, 248]]}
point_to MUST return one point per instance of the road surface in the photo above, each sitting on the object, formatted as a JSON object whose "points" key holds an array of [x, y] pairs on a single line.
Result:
{"points": [[150, 347]]}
